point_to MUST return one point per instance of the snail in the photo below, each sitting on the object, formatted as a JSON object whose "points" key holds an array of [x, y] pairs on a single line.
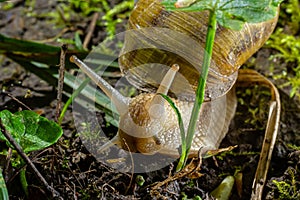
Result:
{"points": [[148, 124], [158, 38]]}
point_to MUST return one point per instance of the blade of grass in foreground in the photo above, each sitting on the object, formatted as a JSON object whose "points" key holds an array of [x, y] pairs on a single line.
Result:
{"points": [[210, 36], [3, 189], [181, 161]]}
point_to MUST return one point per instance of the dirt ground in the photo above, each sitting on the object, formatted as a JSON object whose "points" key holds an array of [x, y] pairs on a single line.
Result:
{"points": [[76, 174]]}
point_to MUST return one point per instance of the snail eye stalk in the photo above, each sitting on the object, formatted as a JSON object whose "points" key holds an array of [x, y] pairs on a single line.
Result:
{"points": [[119, 101]]}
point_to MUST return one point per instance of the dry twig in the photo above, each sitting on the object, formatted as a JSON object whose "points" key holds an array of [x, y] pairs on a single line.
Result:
{"points": [[132, 169], [64, 49], [91, 29], [17, 100]]}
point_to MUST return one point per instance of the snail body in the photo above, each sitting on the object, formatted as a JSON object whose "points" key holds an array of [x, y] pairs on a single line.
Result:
{"points": [[212, 126], [147, 123]]}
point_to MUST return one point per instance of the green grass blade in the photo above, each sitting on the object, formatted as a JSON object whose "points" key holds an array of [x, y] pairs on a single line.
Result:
{"points": [[23, 181], [211, 31], [71, 98], [14, 45], [3, 189], [181, 161]]}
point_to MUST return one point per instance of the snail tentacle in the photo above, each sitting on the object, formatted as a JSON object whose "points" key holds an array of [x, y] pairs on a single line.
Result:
{"points": [[156, 108], [167, 80], [118, 99]]}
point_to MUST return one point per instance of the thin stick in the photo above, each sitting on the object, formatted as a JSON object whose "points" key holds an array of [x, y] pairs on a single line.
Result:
{"points": [[199, 159], [5, 170], [17, 100], [91, 29], [27, 160], [62, 14], [60, 85], [132, 162]]}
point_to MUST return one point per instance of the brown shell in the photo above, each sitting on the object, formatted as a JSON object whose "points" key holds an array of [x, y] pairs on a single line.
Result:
{"points": [[179, 37]]}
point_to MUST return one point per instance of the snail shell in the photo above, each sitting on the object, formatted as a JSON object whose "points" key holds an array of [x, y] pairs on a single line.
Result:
{"points": [[147, 122], [183, 43]]}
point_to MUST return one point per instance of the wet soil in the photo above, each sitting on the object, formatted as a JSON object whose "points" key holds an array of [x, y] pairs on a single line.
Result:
{"points": [[76, 174]]}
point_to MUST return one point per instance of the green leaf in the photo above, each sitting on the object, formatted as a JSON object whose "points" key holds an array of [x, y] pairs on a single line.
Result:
{"points": [[140, 180], [3, 189], [233, 13], [198, 6], [30, 130], [13, 124], [251, 11], [227, 20]]}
